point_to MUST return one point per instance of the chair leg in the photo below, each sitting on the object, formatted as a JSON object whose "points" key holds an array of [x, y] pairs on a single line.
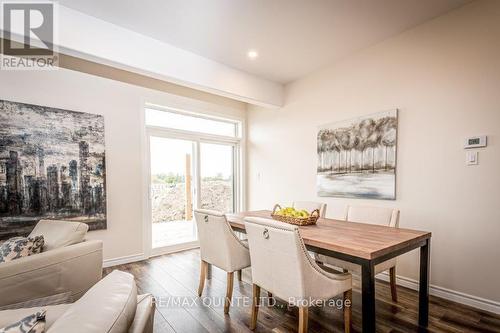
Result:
{"points": [[347, 311], [394, 292], [209, 271], [270, 299], [239, 275], [203, 275], [229, 292], [303, 319], [255, 306]]}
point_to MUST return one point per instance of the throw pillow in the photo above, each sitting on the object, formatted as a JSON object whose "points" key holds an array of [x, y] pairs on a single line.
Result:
{"points": [[19, 247], [34, 323]]}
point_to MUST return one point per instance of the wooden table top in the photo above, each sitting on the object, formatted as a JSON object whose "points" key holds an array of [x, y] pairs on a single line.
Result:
{"points": [[367, 241]]}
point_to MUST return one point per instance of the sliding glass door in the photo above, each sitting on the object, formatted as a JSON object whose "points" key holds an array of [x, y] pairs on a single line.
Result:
{"points": [[217, 190], [172, 191], [194, 164]]}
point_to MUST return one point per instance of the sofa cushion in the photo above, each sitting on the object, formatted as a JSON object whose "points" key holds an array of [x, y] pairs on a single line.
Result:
{"points": [[59, 233], [52, 313], [109, 306], [33, 323], [19, 247]]}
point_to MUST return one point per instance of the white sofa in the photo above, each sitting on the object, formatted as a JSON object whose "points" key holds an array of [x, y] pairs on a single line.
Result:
{"points": [[68, 265], [112, 305]]}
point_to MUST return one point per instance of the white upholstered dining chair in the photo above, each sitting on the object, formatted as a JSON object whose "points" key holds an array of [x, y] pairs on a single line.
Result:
{"points": [[282, 265], [219, 246], [372, 215], [310, 206]]}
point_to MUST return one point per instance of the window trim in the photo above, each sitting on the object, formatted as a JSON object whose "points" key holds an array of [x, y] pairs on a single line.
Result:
{"points": [[238, 123]]}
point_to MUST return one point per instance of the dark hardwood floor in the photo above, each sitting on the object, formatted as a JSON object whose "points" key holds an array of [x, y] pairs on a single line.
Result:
{"points": [[174, 277]]}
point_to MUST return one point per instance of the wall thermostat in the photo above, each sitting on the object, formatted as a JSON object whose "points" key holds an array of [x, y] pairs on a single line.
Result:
{"points": [[475, 142]]}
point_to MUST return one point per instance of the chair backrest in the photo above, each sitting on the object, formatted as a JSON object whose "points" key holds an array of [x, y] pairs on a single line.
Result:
{"points": [[279, 258], [219, 245], [58, 233], [310, 206], [373, 215]]}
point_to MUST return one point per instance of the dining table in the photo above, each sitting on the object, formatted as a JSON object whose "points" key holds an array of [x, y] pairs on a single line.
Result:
{"points": [[363, 244]]}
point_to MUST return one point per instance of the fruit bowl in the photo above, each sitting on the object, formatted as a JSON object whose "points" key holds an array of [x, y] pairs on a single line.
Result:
{"points": [[292, 216]]}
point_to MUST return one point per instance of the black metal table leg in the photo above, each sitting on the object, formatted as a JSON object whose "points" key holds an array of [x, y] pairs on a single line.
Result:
{"points": [[423, 299], [368, 296]]}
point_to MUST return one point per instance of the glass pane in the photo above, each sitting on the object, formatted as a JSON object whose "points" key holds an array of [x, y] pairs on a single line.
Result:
{"points": [[171, 167], [190, 123], [217, 186]]}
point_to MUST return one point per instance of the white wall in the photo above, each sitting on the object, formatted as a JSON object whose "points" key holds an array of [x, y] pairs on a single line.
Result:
{"points": [[444, 76], [88, 37], [122, 106]]}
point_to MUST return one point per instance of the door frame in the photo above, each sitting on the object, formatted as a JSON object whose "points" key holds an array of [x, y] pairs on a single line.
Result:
{"points": [[174, 247]]}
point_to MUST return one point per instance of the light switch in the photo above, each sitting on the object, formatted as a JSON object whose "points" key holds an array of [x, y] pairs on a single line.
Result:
{"points": [[471, 158]]}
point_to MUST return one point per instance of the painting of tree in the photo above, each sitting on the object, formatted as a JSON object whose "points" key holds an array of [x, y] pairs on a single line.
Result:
{"points": [[357, 158]]}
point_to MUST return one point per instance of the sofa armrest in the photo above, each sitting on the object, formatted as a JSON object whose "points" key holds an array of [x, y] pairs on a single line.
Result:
{"points": [[144, 315], [109, 306], [73, 268]]}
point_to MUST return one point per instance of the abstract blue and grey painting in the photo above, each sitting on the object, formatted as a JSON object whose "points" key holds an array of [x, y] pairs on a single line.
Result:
{"points": [[52, 166]]}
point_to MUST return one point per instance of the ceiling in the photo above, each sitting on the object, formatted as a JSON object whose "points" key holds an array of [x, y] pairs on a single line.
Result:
{"points": [[292, 37]]}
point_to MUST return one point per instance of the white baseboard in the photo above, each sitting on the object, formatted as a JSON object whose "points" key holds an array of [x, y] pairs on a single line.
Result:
{"points": [[123, 260], [174, 248], [142, 256], [451, 295]]}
